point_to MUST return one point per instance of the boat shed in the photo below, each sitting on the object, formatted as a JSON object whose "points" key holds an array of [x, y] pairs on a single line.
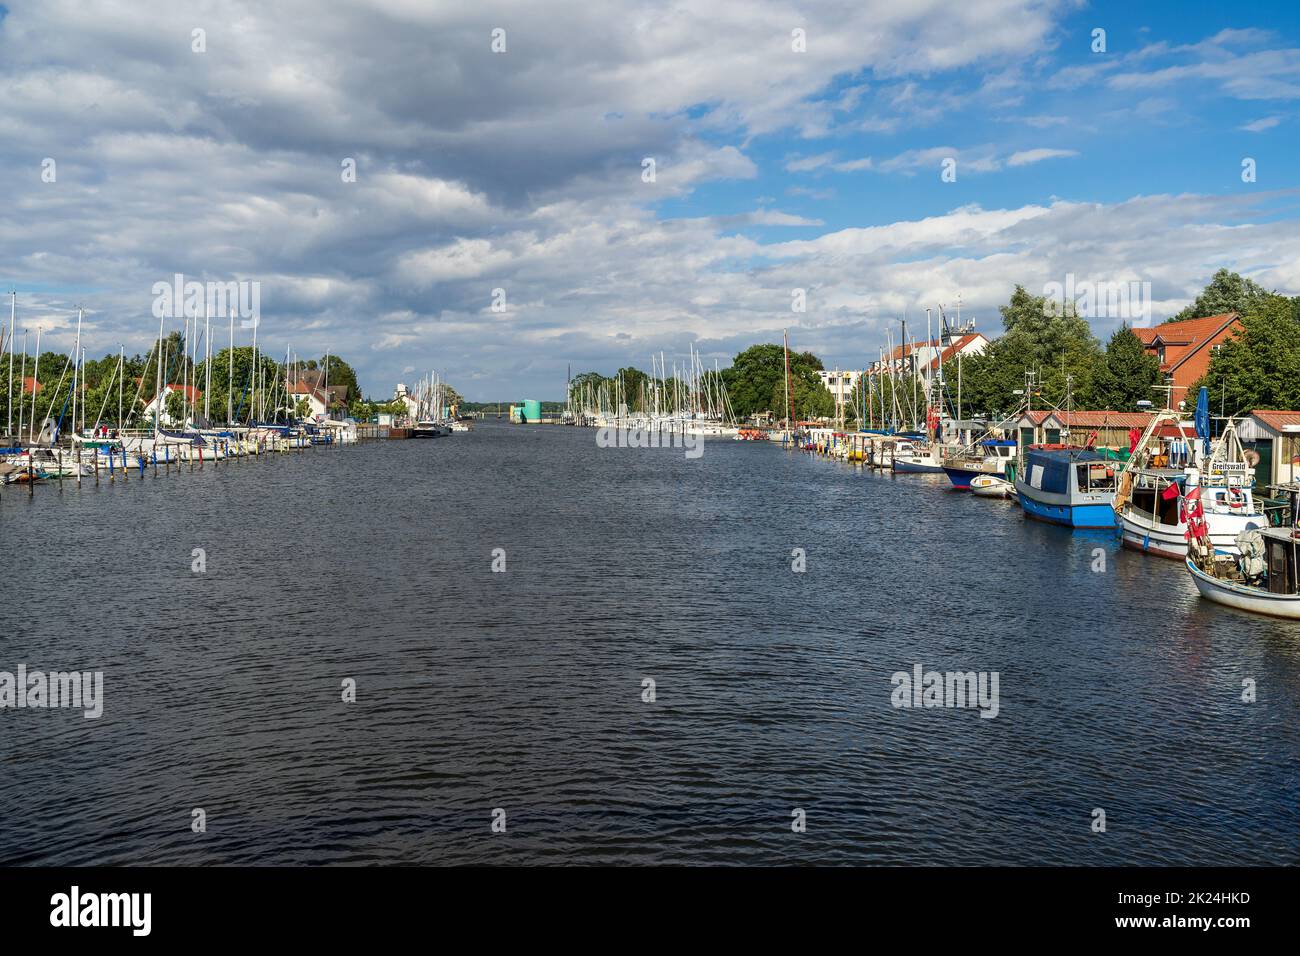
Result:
{"points": [[1275, 437], [1053, 426]]}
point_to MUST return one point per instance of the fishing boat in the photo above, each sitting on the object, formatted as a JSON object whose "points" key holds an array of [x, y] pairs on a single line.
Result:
{"points": [[1264, 577], [991, 486], [915, 457], [990, 457], [1171, 466], [1067, 485]]}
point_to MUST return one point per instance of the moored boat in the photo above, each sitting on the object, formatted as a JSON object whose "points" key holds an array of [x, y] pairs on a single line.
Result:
{"points": [[991, 486], [992, 456], [1263, 578], [1067, 485], [1174, 465], [914, 457]]}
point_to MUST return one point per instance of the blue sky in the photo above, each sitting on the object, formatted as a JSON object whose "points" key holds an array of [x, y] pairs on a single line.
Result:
{"points": [[522, 170]]}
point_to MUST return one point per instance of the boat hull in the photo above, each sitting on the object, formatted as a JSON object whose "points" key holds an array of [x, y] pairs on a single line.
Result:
{"points": [[902, 466], [1244, 598], [1056, 509], [991, 486]]}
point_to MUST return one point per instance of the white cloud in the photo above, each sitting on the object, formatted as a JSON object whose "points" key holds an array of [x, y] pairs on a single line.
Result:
{"points": [[1028, 156]]}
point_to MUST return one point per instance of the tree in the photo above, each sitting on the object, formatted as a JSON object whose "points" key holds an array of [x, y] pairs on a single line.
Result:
{"points": [[176, 410], [756, 383], [1227, 292], [1260, 366], [1127, 376], [1052, 342]]}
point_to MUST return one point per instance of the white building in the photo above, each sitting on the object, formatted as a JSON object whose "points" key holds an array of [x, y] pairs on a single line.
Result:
{"points": [[193, 396], [922, 359], [840, 383]]}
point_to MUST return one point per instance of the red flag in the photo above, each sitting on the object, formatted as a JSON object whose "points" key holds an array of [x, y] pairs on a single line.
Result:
{"points": [[1170, 493], [1194, 494], [1134, 436]]}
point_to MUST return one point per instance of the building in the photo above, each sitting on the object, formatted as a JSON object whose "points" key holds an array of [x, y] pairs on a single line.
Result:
{"points": [[193, 398], [31, 386], [840, 384], [1052, 426], [922, 359], [317, 399], [1184, 348], [1275, 437], [411, 402]]}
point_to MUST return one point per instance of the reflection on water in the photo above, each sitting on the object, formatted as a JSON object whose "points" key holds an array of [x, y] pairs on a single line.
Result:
{"points": [[523, 690]]}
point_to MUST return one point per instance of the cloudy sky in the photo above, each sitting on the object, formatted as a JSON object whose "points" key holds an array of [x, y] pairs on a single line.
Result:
{"points": [[775, 168]]}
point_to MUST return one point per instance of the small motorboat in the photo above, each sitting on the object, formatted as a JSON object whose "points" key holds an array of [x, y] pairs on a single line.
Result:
{"points": [[991, 486]]}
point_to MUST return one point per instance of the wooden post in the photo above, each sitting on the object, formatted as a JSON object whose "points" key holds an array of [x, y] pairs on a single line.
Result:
{"points": [[94, 460]]}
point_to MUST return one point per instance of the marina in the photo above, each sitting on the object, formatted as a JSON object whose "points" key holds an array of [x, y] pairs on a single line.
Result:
{"points": [[470, 677]]}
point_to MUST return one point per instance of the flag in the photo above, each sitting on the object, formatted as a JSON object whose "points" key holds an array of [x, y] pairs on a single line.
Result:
{"points": [[1203, 417], [1171, 492], [1134, 436]]}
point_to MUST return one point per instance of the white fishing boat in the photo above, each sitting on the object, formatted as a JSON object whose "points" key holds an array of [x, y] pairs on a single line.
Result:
{"points": [[915, 457], [1170, 466], [1264, 577]]}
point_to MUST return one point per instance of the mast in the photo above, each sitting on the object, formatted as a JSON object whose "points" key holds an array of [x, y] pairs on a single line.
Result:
{"points": [[157, 395], [207, 364], [252, 397], [13, 308], [785, 347], [76, 363], [121, 375], [36, 383], [230, 367]]}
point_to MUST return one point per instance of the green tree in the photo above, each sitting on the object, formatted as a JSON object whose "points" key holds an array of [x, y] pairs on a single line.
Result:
{"points": [[1055, 344], [1127, 375], [1259, 367], [756, 383], [1227, 292]]}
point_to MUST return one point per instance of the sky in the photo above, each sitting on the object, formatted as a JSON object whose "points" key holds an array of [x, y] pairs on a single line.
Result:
{"points": [[503, 225]]}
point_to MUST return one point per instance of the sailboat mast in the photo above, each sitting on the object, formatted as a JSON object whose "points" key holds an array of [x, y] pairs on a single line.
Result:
{"points": [[230, 368], [785, 348], [13, 309], [36, 384], [157, 395]]}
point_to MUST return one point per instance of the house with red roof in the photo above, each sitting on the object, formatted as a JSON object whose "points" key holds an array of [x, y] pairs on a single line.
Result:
{"points": [[1184, 348], [31, 386], [922, 359], [192, 396]]}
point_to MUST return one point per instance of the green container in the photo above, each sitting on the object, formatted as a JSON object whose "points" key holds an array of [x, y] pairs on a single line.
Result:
{"points": [[532, 410]]}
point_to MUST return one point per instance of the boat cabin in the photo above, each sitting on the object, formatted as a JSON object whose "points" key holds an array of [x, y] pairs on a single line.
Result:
{"points": [[1282, 559]]}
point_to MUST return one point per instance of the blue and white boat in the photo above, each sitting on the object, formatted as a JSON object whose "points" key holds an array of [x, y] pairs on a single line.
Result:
{"points": [[989, 457], [1069, 486]]}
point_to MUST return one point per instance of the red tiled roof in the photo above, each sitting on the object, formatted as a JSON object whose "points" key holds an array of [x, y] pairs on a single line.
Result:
{"points": [[952, 350], [31, 386], [1186, 357], [189, 391], [1092, 419], [1277, 420]]}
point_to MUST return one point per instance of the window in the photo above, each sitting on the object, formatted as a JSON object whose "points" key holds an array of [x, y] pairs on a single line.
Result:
{"points": [[1053, 436]]}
